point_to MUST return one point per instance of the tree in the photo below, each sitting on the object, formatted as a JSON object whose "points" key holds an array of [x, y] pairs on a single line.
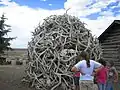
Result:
{"points": [[4, 39]]}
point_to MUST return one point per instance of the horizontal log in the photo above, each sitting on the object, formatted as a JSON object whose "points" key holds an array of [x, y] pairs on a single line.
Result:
{"points": [[116, 31], [111, 40], [110, 43], [110, 46], [117, 63], [111, 56], [103, 48], [116, 37], [110, 49], [110, 52], [118, 68], [112, 37], [108, 59], [112, 34]]}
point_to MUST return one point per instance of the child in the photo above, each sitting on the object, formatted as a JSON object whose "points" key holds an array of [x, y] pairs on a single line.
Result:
{"points": [[101, 76], [112, 75], [76, 77]]}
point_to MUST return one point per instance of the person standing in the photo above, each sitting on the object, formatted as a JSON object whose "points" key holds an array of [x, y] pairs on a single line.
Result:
{"points": [[76, 76], [86, 67], [101, 76], [112, 76]]}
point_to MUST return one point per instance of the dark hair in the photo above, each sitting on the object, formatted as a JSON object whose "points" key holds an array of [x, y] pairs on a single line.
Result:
{"points": [[111, 63], [85, 55], [103, 62]]}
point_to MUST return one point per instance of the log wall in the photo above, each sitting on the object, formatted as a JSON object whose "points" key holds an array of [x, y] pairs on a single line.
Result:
{"points": [[111, 46]]}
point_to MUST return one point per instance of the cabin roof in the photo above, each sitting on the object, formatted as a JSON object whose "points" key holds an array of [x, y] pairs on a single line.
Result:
{"points": [[115, 22]]}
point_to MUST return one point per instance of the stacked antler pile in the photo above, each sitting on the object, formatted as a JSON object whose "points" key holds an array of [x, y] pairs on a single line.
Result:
{"points": [[53, 50]]}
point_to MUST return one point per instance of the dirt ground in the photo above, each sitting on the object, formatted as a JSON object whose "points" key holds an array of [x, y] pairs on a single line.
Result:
{"points": [[10, 78]]}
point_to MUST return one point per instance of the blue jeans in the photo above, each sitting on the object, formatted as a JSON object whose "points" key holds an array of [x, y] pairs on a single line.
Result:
{"points": [[109, 86], [101, 86]]}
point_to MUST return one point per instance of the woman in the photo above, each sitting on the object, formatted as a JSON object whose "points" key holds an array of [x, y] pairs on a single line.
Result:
{"points": [[86, 67]]}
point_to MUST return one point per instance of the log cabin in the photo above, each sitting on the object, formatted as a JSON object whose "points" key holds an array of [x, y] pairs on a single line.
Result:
{"points": [[110, 43]]}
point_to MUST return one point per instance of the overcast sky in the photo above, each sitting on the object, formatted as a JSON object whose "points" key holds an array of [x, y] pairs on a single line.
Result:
{"points": [[24, 15]]}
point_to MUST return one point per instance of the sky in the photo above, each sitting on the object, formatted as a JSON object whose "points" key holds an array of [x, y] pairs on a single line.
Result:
{"points": [[25, 15]]}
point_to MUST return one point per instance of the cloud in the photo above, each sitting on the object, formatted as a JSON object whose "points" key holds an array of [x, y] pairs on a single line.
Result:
{"points": [[8, 3], [78, 7], [82, 8], [86, 7], [24, 19], [118, 6], [50, 4], [99, 25], [106, 13], [43, 0], [102, 3]]}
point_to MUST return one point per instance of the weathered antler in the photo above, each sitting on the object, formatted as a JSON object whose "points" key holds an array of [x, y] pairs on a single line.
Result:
{"points": [[53, 50]]}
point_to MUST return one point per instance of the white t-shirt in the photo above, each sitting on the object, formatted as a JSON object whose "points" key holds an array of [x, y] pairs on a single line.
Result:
{"points": [[82, 66]]}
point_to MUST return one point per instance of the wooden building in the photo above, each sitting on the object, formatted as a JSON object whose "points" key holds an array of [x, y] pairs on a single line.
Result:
{"points": [[110, 43]]}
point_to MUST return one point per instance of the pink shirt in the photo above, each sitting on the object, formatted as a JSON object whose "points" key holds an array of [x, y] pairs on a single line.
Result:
{"points": [[101, 75], [77, 74]]}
